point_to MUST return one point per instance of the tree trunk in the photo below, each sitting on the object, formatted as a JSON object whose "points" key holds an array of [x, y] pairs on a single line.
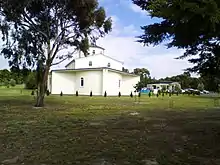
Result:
{"points": [[42, 84]]}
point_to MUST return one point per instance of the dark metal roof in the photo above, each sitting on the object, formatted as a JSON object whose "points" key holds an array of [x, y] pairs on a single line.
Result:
{"points": [[99, 68]]}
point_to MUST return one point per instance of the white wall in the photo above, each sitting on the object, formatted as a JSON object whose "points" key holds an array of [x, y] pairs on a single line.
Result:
{"points": [[64, 82], [97, 61], [92, 82], [112, 83], [128, 83]]}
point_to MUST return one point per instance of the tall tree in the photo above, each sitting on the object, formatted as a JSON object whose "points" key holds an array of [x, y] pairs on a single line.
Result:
{"points": [[193, 25], [36, 31]]}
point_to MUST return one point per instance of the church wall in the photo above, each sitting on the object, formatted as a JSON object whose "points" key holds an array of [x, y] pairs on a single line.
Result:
{"points": [[92, 81], [128, 83], [63, 81]]}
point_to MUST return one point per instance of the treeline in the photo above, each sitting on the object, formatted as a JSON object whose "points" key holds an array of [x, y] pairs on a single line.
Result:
{"points": [[185, 80], [18, 76]]}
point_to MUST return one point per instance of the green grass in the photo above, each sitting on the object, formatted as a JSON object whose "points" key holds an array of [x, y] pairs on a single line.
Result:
{"points": [[84, 130]]}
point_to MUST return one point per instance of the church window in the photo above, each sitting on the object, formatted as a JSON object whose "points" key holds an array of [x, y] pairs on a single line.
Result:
{"points": [[93, 52], [82, 82], [90, 63], [109, 65]]}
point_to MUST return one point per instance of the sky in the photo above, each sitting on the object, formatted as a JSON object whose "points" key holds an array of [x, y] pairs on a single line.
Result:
{"points": [[121, 43]]}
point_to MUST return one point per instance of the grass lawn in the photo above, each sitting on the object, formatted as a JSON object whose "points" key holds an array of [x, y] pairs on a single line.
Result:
{"points": [[181, 130]]}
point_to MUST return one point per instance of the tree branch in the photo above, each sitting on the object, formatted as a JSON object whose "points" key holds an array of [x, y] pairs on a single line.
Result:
{"points": [[68, 55], [29, 21]]}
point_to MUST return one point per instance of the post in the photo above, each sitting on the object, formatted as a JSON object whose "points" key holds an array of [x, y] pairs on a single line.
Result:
{"points": [[145, 80]]}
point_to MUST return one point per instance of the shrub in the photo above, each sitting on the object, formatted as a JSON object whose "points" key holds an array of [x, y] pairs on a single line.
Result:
{"points": [[119, 94], [31, 82], [48, 93], [91, 94], [105, 94], [77, 93], [170, 94], [131, 95], [157, 94], [149, 94], [12, 82], [61, 93], [139, 94], [6, 83], [32, 93], [200, 87], [163, 94]]}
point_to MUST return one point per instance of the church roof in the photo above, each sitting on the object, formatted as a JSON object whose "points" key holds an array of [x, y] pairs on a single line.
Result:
{"points": [[90, 56], [98, 68], [96, 46]]}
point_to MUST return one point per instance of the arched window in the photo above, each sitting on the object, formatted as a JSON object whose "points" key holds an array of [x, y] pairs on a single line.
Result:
{"points": [[109, 65], [82, 82], [93, 52], [90, 63]]}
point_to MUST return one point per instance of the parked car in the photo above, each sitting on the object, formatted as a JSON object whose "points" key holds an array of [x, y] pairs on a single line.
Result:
{"points": [[206, 92]]}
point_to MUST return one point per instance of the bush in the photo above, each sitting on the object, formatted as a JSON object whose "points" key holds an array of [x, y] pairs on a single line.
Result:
{"points": [[149, 94], [139, 94], [32, 93], [157, 94], [31, 82], [119, 94], [170, 94], [105, 94], [163, 94], [48, 93], [77, 93], [61, 93], [91, 94], [131, 95], [12, 82], [6, 83]]}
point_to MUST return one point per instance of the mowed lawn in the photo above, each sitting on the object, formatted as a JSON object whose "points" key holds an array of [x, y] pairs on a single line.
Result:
{"points": [[181, 130]]}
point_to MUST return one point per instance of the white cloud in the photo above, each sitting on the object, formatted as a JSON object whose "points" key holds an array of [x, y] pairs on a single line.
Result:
{"points": [[159, 60], [137, 9], [121, 44]]}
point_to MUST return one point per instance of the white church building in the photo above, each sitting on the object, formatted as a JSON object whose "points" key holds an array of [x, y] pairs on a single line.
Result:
{"points": [[95, 72]]}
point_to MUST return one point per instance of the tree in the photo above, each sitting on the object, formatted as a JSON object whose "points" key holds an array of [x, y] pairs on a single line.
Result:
{"points": [[144, 78], [30, 82], [190, 25], [125, 70], [35, 33], [200, 87], [177, 88], [12, 82]]}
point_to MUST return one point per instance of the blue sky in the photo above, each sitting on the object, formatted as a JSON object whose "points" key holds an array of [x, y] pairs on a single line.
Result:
{"points": [[120, 43]]}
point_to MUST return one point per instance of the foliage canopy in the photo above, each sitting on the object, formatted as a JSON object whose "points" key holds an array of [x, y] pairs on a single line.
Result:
{"points": [[193, 25]]}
